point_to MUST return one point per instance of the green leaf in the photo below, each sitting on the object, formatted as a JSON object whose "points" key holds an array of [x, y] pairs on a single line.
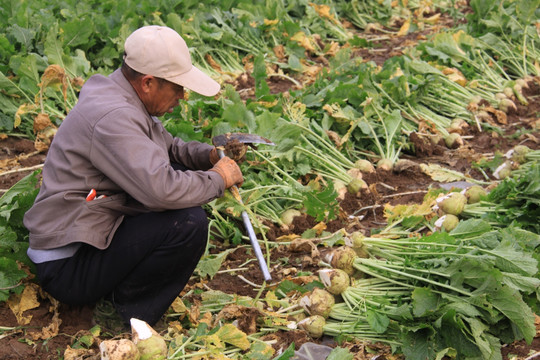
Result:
{"points": [[287, 354], [259, 73], [340, 353], [209, 265], [424, 301], [423, 67], [455, 332], [377, 321], [78, 32], [526, 9], [53, 46], [10, 276], [418, 342], [294, 63], [470, 228], [510, 303], [22, 35], [322, 205], [259, 350], [239, 116]]}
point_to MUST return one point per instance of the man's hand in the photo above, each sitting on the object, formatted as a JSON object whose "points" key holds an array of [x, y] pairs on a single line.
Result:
{"points": [[234, 150], [229, 171]]}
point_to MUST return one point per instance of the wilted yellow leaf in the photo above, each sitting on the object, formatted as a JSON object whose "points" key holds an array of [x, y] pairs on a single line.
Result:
{"points": [[332, 49], [41, 121], [323, 11], [279, 51], [230, 334], [53, 328], [54, 76], [193, 312], [268, 104], [270, 22], [455, 75], [336, 112], [397, 73], [320, 227], [404, 28], [213, 342], [440, 173], [77, 82], [178, 306], [210, 60], [303, 40], [433, 19], [289, 237], [22, 110], [77, 354], [207, 318], [304, 245], [19, 303], [405, 210]]}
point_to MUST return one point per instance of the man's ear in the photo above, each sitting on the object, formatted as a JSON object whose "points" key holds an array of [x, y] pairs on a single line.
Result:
{"points": [[147, 82]]}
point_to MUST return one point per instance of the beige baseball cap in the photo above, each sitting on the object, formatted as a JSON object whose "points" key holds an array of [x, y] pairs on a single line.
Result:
{"points": [[160, 51]]}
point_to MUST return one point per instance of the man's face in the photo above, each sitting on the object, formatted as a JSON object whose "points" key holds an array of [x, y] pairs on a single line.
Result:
{"points": [[163, 96]]}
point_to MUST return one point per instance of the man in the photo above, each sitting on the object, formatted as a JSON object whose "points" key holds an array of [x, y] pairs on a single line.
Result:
{"points": [[119, 211]]}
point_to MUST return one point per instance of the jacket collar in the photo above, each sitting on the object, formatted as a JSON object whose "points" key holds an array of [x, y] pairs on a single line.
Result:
{"points": [[129, 91]]}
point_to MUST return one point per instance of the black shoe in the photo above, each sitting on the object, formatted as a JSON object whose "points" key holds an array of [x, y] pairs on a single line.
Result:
{"points": [[108, 319]]}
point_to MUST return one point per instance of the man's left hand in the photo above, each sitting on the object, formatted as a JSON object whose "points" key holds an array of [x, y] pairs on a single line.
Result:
{"points": [[234, 150]]}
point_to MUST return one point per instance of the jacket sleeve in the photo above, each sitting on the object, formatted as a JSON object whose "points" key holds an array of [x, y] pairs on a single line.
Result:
{"points": [[193, 154], [134, 152]]}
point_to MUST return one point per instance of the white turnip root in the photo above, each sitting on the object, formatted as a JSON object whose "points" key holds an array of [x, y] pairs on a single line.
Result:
{"points": [[150, 344]]}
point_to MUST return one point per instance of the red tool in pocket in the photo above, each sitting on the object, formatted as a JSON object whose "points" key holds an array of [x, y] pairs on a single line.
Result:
{"points": [[92, 195]]}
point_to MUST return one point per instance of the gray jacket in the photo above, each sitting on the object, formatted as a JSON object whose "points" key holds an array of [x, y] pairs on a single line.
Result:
{"points": [[110, 143]]}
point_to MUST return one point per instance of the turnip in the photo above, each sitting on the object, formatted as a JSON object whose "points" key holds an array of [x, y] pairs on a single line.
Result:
{"points": [[314, 325], [123, 349], [356, 242], [364, 166], [354, 173], [519, 153], [458, 125], [508, 92], [150, 344], [475, 100], [447, 222], [341, 188], [506, 105], [385, 164], [474, 194], [343, 258], [436, 139], [453, 203], [453, 141], [522, 83], [334, 280], [500, 96], [288, 216], [318, 302], [518, 92], [355, 185], [483, 116], [503, 171]]}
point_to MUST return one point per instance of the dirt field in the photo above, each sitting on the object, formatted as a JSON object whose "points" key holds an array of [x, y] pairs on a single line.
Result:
{"points": [[363, 212]]}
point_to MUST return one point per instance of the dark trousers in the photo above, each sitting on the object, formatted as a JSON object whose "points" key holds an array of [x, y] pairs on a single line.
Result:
{"points": [[148, 263]]}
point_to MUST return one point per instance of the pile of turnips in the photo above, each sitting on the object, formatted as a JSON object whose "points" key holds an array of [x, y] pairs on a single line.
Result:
{"points": [[145, 344]]}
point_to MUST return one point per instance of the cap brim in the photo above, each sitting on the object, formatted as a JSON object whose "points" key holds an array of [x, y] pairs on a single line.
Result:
{"points": [[198, 81]]}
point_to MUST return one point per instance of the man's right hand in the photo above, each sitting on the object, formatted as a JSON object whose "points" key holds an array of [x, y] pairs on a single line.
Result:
{"points": [[229, 171]]}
